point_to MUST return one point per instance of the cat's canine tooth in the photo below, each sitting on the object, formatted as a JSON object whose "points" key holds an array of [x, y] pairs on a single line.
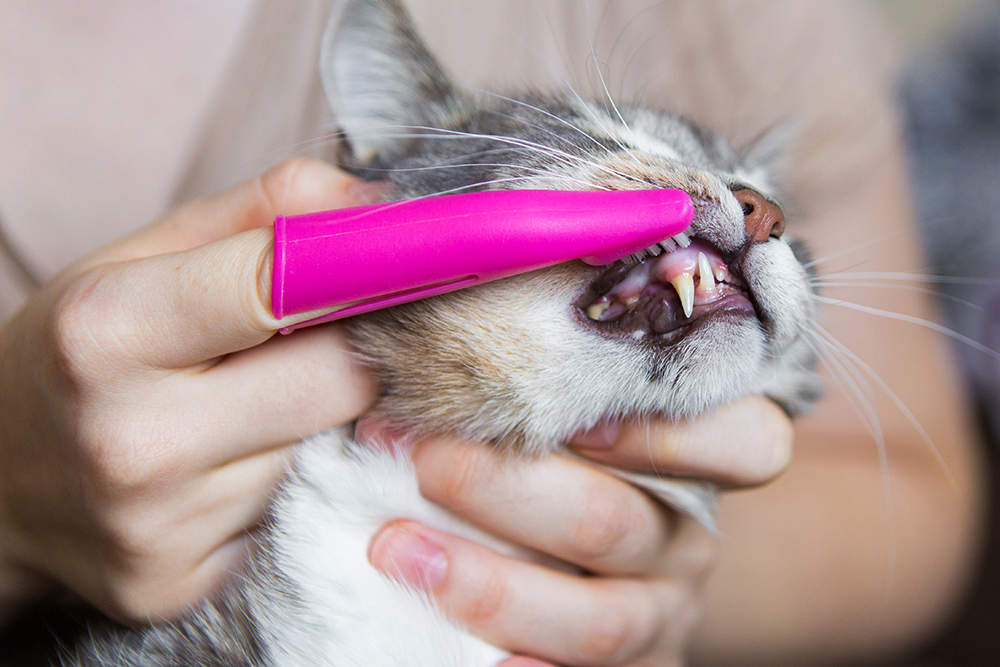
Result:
{"points": [[684, 284], [597, 309], [682, 239], [705, 271]]}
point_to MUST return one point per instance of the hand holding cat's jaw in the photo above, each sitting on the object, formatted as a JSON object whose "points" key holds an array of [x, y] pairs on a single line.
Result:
{"points": [[150, 432], [742, 444], [644, 564]]}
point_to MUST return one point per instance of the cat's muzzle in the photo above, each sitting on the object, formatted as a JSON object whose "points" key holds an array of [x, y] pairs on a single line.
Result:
{"points": [[663, 297]]}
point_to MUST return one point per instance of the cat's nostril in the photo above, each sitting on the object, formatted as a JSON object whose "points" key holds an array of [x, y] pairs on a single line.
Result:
{"points": [[763, 219]]}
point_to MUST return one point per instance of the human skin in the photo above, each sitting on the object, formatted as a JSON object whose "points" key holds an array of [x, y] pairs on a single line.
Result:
{"points": [[645, 565]]}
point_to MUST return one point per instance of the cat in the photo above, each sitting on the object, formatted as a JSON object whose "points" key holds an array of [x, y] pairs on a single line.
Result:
{"points": [[523, 363]]}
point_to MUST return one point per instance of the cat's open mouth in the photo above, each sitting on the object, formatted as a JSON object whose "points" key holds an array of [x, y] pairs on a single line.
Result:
{"points": [[662, 296]]}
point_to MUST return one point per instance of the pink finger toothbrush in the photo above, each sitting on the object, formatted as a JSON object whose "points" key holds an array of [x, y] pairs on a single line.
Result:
{"points": [[377, 256]]}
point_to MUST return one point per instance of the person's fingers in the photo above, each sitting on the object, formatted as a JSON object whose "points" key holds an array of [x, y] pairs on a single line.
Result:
{"points": [[297, 186], [530, 609], [172, 543], [573, 512], [141, 600], [741, 444], [312, 381]]}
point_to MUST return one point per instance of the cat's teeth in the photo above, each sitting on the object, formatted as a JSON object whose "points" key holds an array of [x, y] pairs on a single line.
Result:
{"points": [[705, 271], [720, 274], [684, 284], [597, 309]]}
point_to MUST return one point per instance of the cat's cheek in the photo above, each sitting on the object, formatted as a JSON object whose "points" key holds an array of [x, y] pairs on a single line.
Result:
{"points": [[781, 293]]}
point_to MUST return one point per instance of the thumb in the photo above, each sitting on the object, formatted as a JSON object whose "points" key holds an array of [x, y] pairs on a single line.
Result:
{"points": [[297, 186], [205, 299]]}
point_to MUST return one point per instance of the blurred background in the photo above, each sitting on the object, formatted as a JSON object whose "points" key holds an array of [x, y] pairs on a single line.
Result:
{"points": [[949, 101], [919, 23]]}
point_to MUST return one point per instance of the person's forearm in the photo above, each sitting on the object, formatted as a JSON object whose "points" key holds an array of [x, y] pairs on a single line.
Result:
{"points": [[819, 568], [832, 561]]}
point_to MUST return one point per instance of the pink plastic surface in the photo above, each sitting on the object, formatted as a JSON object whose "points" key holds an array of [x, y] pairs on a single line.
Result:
{"points": [[386, 254]]}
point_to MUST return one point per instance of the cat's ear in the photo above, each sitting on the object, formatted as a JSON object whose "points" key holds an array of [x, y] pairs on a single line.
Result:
{"points": [[382, 83]]}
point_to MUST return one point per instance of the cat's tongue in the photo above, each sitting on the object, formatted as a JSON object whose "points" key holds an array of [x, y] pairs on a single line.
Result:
{"points": [[697, 274]]}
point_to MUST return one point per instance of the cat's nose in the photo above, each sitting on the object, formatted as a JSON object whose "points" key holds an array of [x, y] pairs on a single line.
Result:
{"points": [[763, 219]]}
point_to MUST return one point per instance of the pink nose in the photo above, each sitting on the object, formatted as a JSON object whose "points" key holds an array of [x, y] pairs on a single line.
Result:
{"points": [[763, 219]]}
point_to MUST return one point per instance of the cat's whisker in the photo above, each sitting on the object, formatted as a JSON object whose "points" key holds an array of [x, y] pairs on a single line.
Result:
{"points": [[586, 108], [547, 114], [565, 158], [562, 139], [428, 132], [893, 396], [444, 166], [914, 277], [548, 151], [860, 400], [928, 324], [463, 188], [908, 288], [600, 74], [847, 251]]}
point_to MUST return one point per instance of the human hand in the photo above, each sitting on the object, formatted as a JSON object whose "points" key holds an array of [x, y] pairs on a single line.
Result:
{"points": [[146, 406], [644, 564]]}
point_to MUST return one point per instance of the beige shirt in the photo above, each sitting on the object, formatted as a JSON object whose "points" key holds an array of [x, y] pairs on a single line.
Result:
{"points": [[112, 111]]}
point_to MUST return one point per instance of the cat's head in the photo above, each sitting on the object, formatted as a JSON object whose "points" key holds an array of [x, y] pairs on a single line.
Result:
{"points": [[527, 361]]}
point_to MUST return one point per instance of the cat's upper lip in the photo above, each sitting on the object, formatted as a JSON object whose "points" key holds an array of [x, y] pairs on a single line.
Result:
{"points": [[663, 295]]}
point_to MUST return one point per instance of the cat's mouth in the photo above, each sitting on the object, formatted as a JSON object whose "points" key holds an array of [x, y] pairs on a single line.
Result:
{"points": [[661, 297]]}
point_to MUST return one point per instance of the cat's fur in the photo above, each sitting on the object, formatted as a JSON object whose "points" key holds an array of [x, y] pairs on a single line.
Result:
{"points": [[517, 363]]}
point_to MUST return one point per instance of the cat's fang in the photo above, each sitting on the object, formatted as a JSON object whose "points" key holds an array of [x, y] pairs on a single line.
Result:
{"points": [[684, 284], [705, 273]]}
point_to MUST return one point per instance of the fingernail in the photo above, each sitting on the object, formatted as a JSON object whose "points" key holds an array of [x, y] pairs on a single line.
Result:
{"points": [[368, 192], [603, 435], [401, 553]]}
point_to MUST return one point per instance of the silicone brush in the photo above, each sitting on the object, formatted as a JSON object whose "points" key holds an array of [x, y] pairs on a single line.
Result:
{"points": [[382, 255]]}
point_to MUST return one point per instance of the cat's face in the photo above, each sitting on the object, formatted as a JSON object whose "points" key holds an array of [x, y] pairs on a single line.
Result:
{"points": [[529, 360]]}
